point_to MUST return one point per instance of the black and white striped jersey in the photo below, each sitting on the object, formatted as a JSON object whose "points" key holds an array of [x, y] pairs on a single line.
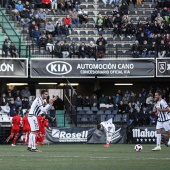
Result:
{"points": [[38, 106], [162, 116]]}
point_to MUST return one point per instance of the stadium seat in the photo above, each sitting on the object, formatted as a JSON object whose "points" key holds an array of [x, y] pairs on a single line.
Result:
{"points": [[125, 118], [86, 108], [117, 118], [114, 112], [94, 109], [108, 112], [79, 108]]}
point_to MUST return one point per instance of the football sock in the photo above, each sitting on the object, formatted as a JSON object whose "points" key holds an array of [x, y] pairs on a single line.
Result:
{"points": [[158, 140], [29, 142], [23, 140], [33, 141], [15, 139], [108, 140]]}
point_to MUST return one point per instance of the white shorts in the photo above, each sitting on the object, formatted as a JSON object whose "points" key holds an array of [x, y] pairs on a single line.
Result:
{"points": [[164, 125], [33, 123]]}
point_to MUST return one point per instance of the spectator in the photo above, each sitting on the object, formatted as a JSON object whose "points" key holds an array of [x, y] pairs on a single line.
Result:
{"points": [[132, 98], [46, 4], [18, 102], [58, 30], [37, 20], [110, 100], [36, 34], [74, 16], [124, 9], [65, 50], [116, 99], [3, 99], [31, 100], [19, 110], [94, 101], [159, 19], [31, 28], [69, 4], [5, 109], [116, 31], [24, 14], [125, 99], [101, 50], [74, 49], [159, 38], [5, 48], [16, 94], [65, 31], [28, 6], [107, 22], [86, 102], [25, 92], [121, 108], [50, 43], [168, 50], [83, 16], [135, 50], [91, 50], [61, 5], [57, 49], [152, 50], [42, 41], [115, 10], [130, 29], [101, 39], [102, 100], [162, 50], [13, 50], [141, 38], [68, 22], [144, 49], [58, 104], [141, 99], [125, 20], [25, 103], [76, 4], [79, 101], [37, 4], [117, 20], [99, 23], [138, 105], [54, 5], [12, 108], [42, 15], [144, 93], [149, 100], [49, 28], [83, 50]]}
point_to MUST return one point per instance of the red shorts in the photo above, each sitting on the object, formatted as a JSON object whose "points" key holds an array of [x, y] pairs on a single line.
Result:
{"points": [[26, 130], [15, 130]]}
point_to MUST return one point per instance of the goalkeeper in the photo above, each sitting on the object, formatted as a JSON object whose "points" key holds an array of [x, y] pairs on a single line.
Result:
{"points": [[109, 128]]}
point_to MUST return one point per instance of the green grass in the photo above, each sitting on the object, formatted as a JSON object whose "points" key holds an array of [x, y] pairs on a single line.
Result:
{"points": [[84, 157]]}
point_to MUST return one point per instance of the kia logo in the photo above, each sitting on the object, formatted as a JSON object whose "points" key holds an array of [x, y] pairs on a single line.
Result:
{"points": [[58, 67]]}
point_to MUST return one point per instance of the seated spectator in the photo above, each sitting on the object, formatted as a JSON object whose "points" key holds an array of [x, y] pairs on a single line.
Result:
{"points": [[130, 29], [115, 10], [138, 117], [152, 118], [91, 50], [79, 101], [125, 99], [101, 39], [145, 49], [125, 20], [94, 101], [68, 22], [46, 4], [141, 38], [117, 99], [12, 108], [101, 50], [5, 48], [141, 99], [50, 43], [138, 105], [123, 30], [152, 50], [86, 102], [49, 28], [32, 14], [57, 49], [116, 31], [65, 31], [83, 50], [61, 5], [69, 4], [162, 50], [36, 34], [28, 6], [135, 50], [24, 14], [99, 23], [110, 100], [168, 50], [149, 100], [58, 30], [54, 5], [121, 108], [74, 49], [5, 109], [25, 92], [124, 9], [25, 103], [159, 19], [83, 16], [19, 110], [65, 50], [154, 14], [37, 20], [155, 27], [132, 98], [74, 16], [117, 20], [13, 51], [42, 15], [18, 101], [159, 38], [37, 4], [16, 12], [107, 22], [76, 4], [42, 41], [102, 99]]}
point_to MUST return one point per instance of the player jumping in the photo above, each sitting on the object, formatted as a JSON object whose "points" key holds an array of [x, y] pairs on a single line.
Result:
{"points": [[109, 128]]}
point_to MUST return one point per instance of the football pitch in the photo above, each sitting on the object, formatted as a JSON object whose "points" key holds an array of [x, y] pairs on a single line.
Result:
{"points": [[84, 157]]}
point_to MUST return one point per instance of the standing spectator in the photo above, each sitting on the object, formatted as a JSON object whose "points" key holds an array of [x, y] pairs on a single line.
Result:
{"points": [[65, 50], [58, 104], [31, 28], [25, 92], [101, 39], [74, 16], [82, 50], [68, 22], [162, 50], [49, 28], [144, 93], [36, 34], [13, 50], [83, 16], [5, 48], [101, 50]]}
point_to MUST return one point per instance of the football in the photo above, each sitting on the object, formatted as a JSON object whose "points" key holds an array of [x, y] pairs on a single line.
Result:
{"points": [[138, 148]]}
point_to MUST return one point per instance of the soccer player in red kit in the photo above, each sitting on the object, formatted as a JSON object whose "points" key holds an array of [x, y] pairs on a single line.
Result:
{"points": [[16, 122], [26, 128]]}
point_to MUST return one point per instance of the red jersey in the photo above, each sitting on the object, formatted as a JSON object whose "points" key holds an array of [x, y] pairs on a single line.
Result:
{"points": [[16, 122], [25, 123], [46, 123], [40, 120]]}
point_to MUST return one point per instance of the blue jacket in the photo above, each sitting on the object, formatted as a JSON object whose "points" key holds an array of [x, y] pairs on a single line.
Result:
{"points": [[36, 33], [19, 7]]}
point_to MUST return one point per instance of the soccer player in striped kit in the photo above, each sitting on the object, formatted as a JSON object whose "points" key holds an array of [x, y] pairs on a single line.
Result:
{"points": [[37, 107], [163, 119], [109, 128]]}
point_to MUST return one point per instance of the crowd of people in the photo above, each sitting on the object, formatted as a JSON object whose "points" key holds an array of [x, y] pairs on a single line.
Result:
{"points": [[140, 107]]}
